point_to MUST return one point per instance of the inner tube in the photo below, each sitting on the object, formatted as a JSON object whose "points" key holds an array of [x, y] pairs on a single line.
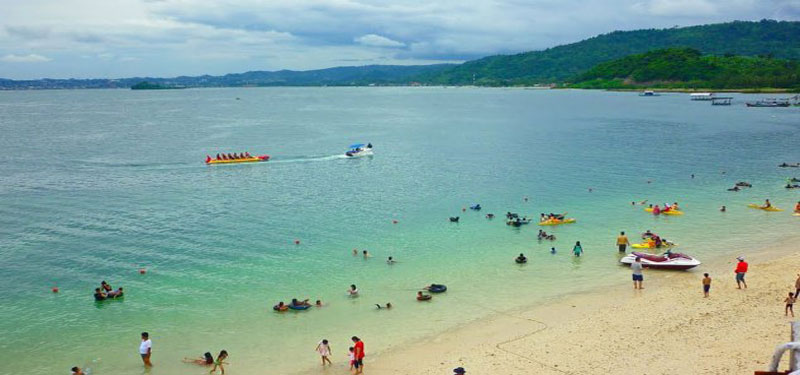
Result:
{"points": [[299, 307], [278, 308], [454, 219], [521, 261], [424, 297], [437, 288]]}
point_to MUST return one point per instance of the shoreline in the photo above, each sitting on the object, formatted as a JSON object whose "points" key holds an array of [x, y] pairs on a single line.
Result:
{"points": [[613, 324]]}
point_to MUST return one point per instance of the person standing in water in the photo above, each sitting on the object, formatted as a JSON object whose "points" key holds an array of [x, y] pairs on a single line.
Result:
{"points": [[622, 242], [638, 277], [358, 353], [324, 351], [220, 362], [146, 349], [741, 270], [577, 250]]}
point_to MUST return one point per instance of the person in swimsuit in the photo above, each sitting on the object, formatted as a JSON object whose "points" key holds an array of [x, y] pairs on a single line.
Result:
{"points": [[353, 291], [577, 250], [206, 360], [220, 362], [106, 288], [99, 295], [622, 242], [706, 285], [324, 351]]}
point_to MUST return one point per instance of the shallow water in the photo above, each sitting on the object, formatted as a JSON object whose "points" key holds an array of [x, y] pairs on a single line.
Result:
{"points": [[97, 184]]}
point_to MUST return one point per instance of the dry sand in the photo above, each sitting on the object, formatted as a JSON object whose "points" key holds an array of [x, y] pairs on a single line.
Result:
{"points": [[667, 328]]}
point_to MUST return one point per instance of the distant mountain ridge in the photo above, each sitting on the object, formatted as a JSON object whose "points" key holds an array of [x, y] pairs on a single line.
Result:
{"points": [[559, 64], [779, 39], [687, 68], [339, 76]]}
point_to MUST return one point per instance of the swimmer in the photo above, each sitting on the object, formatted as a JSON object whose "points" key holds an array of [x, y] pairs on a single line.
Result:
{"points": [[552, 250], [797, 207], [423, 297], [116, 294], [219, 362], [206, 360], [722, 209], [77, 371], [366, 254], [390, 261], [353, 291], [106, 288], [99, 295], [280, 307], [318, 303], [388, 306], [735, 188], [355, 252], [521, 258]]}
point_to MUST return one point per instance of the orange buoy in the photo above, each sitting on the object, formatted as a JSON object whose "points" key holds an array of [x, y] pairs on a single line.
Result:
{"points": [[296, 242], [142, 271], [55, 289]]}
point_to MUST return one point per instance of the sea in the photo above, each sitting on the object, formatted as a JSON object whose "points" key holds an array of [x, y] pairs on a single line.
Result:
{"points": [[102, 184]]}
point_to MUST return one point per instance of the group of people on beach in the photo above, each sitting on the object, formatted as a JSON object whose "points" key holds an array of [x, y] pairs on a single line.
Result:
{"points": [[355, 354], [105, 291]]}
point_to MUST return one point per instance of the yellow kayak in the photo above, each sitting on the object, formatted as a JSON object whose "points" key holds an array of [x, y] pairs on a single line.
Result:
{"points": [[771, 208], [670, 212], [253, 159], [557, 222], [647, 245]]}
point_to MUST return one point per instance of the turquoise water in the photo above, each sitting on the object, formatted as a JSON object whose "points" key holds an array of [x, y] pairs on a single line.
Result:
{"points": [[97, 184]]}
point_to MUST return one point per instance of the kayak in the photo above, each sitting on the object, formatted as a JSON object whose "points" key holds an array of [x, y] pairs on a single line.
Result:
{"points": [[647, 245], [670, 212], [771, 208], [557, 222], [253, 159]]}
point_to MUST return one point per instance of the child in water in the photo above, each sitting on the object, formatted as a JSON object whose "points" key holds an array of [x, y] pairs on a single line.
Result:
{"points": [[552, 250], [577, 250], [352, 356], [324, 351]]}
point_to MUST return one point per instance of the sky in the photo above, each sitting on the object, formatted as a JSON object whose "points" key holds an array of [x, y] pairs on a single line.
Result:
{"points": [[166, 38]]}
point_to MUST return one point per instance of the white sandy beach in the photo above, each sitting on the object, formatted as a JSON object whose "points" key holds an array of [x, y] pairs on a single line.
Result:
{"points": [[667, 328]]}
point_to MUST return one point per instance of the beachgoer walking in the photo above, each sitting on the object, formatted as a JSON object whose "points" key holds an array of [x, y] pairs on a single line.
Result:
{"points": [[358, 352], [220, 362], [789, 305], [638, 277], [622, 242], [324, 351], [146, 349], [797, 286], [741, 269], [577, 250], [706, 285]]}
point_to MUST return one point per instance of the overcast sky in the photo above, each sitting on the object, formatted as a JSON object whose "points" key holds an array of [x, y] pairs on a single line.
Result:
{"points": [[122, 38]]}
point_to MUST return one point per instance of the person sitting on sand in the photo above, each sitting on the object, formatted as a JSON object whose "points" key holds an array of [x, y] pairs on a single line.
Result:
{"points": [[206, 360], [219, 362], [116, 294], [423, 297], [353, 291], [521, 258], [388, 306], [99, 295], [767, 204]]}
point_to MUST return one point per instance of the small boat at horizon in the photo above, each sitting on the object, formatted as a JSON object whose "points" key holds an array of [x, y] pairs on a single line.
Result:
{"points": [[359, 150], [769, 103], [667, 261], [649, 93]]}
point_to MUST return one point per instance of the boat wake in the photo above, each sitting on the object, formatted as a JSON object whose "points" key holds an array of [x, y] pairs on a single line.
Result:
{"points": [[309, 159]]}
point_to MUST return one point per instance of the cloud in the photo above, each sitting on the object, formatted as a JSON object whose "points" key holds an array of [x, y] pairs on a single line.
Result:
{"points": [[376, 40], [87, 38], [32, 58]]}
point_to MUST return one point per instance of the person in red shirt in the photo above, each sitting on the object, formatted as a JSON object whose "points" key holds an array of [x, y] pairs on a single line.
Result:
{"points": [[358, 350], [741, 269]]}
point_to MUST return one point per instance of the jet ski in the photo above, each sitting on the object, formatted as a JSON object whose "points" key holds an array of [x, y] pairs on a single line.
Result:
{"points": [[667, 261]]}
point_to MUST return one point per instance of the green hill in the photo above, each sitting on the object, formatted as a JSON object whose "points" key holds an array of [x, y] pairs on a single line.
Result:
{"points": [[557, 64], [688, 68]]}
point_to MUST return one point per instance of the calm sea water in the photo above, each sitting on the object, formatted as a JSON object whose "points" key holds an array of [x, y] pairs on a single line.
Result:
{"points": [[95, 185]]}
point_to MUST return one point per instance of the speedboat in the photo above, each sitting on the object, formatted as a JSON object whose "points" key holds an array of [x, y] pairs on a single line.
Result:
{"points": [[667, 261], [358, 150], [252, 159]]}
